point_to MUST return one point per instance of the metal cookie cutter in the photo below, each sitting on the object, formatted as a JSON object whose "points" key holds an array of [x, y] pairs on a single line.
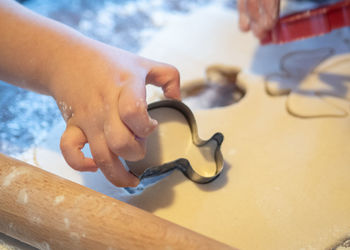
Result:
{"points": [[183, 164]]}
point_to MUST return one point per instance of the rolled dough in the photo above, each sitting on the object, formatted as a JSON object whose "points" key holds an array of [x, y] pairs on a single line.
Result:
{"points": [[286, 180], [285, 183]]}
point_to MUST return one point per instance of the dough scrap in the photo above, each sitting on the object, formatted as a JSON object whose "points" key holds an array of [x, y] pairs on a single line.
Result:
{"points": [[313, 88]]}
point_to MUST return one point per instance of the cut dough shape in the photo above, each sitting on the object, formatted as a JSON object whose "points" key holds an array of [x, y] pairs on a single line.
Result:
{"points": [[294, 67], [313, 87], [309, 105]]}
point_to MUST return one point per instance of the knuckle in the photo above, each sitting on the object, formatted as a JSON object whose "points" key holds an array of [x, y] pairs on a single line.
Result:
{"points": [[116, 140], [130, 151], [174, 70], [100, 159], [64, 137], [138, 153], [176, 75], [133, 110], [173, 74], [119, 145], [65, 144]]}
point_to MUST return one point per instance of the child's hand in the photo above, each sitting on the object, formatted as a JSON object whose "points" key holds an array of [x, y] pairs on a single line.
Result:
{"points": [[99, 89], [101, 93], [260, 16]]}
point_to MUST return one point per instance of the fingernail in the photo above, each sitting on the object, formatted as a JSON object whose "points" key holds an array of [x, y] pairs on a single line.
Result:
{"points": [[135, 180], [138, 138], [152, 124], [132, 173]]}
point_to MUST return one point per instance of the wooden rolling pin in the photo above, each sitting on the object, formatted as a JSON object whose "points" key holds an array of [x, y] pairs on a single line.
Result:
{"points": [[49, 212]]}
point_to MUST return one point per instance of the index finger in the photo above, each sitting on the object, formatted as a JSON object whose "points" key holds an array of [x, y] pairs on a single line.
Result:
{"points": [[167, 77]]}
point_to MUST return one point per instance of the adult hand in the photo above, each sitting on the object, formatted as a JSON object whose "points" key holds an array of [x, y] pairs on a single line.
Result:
{"points": [[259, 16]]}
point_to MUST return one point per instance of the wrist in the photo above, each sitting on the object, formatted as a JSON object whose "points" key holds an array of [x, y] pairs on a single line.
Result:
{"points": [[66, 57]]}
